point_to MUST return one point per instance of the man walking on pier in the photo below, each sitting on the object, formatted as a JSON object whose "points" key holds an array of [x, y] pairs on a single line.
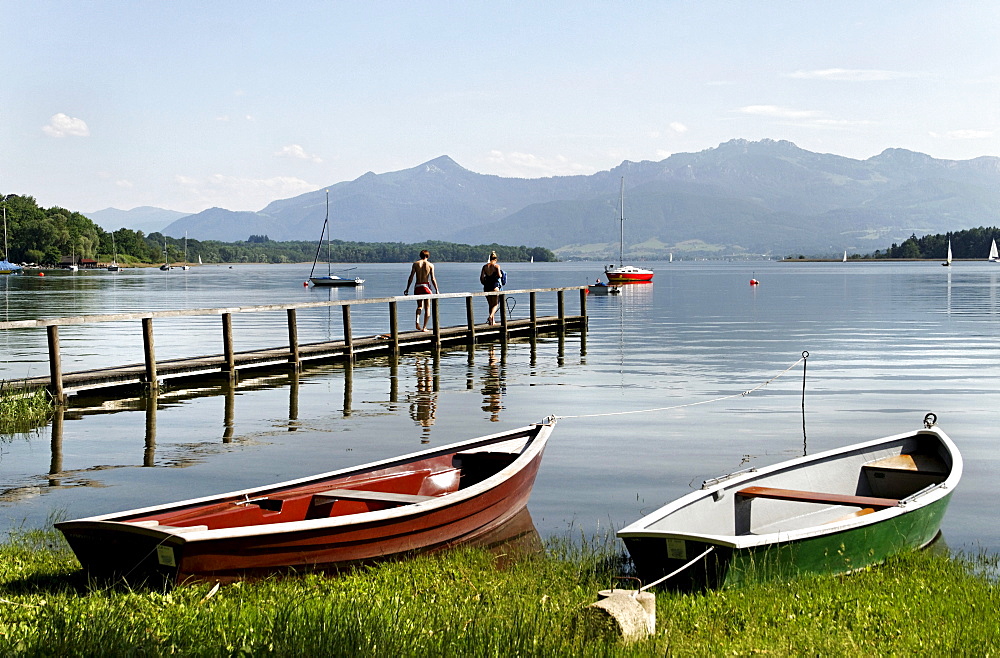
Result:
{"points": [[423, 270]]}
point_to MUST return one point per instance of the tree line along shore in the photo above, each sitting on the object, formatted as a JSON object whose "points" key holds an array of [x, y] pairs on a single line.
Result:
{"points": [[57, 237]]}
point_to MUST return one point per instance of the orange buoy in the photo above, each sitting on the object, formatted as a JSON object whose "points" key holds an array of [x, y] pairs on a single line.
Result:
{"points": [[754, 282], [41, 274], [305, 284]]}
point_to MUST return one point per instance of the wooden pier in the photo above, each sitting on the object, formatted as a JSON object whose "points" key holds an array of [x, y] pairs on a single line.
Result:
{"points": [[151, 373]]}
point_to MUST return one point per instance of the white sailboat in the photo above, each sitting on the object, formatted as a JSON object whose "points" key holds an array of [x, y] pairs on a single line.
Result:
{"points": [[845, 256], [113, 267], [994, 255], [330, 279], [625, 273], [185, 266], [947, 263], [7, 267]]}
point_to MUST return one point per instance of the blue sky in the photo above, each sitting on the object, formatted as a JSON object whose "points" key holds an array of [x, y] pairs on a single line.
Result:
{"points": [[188, 105]]}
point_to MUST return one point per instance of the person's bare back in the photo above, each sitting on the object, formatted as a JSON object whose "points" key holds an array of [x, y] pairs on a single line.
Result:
{"points": [[423, 271]]}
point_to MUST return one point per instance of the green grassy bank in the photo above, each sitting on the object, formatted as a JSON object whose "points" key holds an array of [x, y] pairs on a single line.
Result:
{"points": [[460, 603]]}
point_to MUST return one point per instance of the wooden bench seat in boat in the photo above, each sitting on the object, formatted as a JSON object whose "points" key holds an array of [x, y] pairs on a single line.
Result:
{"points": [[928, 464], [331, 495], [817, 497], [899, 476]]}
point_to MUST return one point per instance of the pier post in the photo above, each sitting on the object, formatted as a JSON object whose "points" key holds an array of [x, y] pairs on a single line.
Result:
{"points": [[533, 311], [583, 304], [149, 354], [394, 327], [348, 336], [229, 367], [293, 341], [503, 318], [470, 321], [561, 301], [436, 343], [55, 365]]}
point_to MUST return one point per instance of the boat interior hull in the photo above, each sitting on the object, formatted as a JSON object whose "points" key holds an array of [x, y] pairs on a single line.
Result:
{"points": [[419, 503], [831, 513]]}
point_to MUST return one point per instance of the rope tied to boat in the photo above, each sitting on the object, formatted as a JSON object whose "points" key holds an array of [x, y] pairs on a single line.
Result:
{"points": [[802, 359], [677, 571]]}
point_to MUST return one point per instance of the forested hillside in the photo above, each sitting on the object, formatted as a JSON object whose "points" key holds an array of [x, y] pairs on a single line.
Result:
{"points": [[53, 236]]}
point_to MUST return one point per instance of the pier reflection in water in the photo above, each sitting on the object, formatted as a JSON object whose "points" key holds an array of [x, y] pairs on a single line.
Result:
{"points": [[94, 443]]}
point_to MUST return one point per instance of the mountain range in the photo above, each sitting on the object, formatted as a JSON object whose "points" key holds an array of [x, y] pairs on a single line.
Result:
{"points": [[740, 199]]}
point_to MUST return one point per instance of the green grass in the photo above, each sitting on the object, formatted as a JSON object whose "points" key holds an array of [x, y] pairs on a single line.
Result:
{"points": [[461, 604], [23, 409]]}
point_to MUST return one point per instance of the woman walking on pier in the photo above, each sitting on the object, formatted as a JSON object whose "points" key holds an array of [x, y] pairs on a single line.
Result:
{"points": [[490, 278], [423, 270]]}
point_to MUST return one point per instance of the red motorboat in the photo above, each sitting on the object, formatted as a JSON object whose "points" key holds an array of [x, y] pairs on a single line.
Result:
{"points": [[419, 502]]}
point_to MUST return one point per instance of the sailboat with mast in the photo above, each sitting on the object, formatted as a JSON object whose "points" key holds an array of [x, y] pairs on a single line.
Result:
{"points": [[330, 279], [625, 273], [113, 267], [7, 267], [947, 262], [994, 254], [186, 265]]}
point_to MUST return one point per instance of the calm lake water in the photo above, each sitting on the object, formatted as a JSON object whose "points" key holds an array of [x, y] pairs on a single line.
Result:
{"points": [[887, 343]]}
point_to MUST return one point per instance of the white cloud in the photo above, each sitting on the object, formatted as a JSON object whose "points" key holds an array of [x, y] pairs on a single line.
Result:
{"points": [[296, 151], [522, 165], [126, 184], [849, 75], [777, 112], [678, 127], [235, 193], [61, 125]]}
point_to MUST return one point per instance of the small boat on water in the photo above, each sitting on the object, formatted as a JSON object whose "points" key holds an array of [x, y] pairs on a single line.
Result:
{"points": [[603, 289], [994, 254], [947, 262], [625, 273], [330, 279], [7, 267], [419, 502], [829, 513]]}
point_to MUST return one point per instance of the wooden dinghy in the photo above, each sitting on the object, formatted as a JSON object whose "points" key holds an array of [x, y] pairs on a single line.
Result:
{"points": [[415, 503], [829, 513]]}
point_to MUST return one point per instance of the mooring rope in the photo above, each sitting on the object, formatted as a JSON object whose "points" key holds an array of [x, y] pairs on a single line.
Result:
{"points": [[802, 359], [677, 571]]}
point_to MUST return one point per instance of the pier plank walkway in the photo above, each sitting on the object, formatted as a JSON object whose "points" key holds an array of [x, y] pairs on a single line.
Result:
{"points": [[152, 372]]}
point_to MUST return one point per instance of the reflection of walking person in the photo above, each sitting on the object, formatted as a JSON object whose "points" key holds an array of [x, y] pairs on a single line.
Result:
{"points": [[490, 278], [494, 386], [423, 271], [423, 403]]}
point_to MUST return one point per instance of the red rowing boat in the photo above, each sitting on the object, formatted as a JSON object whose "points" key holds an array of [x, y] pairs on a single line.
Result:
{"points": [[419, 502]]}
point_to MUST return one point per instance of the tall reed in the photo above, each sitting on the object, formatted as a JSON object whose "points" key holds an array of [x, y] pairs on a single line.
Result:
{"points": [[23, 409]]}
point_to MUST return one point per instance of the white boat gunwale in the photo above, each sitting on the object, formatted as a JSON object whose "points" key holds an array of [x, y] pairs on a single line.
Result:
{"points": [[534, 442], [729, 486]]}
